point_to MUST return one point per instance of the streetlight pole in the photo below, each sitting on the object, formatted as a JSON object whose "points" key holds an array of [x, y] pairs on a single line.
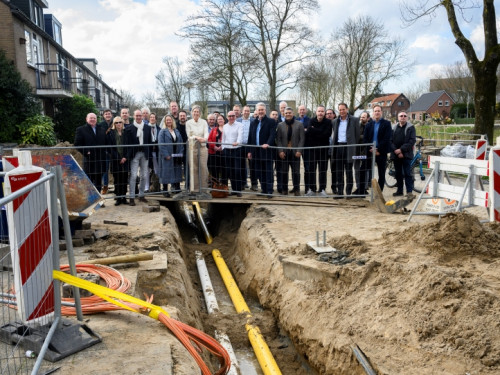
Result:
{"points": [[189, 86]]}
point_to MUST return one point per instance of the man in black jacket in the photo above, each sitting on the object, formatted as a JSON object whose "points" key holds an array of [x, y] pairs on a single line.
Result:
{"points": [[380, 132], [106, 124], [403, 140], [317, 135], [137, 135], [290, 133], [94, 159], [262, 134]]}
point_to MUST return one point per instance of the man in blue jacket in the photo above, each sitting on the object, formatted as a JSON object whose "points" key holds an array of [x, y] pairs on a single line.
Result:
{"points": [[262, 134], [380, 132]]}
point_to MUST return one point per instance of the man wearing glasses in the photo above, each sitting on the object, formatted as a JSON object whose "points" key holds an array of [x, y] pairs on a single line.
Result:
{"points": [[403, 140]]}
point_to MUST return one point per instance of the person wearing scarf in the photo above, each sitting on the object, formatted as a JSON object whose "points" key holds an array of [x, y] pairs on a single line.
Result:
{"points": [[138, 137]]}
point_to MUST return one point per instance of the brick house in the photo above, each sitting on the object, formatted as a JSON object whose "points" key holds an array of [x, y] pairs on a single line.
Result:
{"points": [[429, 103], [391, 104], [33, 41]]}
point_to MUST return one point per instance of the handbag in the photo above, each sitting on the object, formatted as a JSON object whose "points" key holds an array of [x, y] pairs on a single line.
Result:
{"points": [[220, 190]]}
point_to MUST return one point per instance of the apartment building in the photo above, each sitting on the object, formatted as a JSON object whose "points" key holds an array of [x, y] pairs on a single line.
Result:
{"points": [[33, 40]]}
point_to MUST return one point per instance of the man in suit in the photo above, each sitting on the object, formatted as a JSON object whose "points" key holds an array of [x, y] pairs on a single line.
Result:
{"points": [[137, 135], [262, 135], [378, 131], [290, 138], [345, 132], [94, 159], [106, 124]]}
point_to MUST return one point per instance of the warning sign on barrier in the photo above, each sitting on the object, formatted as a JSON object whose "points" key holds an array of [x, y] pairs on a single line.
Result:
{"points": [[440, 205]]}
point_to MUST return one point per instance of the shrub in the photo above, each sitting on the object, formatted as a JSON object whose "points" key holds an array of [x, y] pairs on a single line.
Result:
{"points": [[17, 100], [37, 130], [70, 114]]}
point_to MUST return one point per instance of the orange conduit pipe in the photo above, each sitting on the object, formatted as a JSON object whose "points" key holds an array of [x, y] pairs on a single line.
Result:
{"points": [[192, 339], [95, 304]]}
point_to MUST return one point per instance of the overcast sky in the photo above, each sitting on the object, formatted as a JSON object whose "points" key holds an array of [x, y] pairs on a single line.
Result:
{"points": [[129, 38]]}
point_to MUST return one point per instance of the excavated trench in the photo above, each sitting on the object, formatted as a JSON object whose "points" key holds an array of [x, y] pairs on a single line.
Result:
{"points": [[223, 221]]}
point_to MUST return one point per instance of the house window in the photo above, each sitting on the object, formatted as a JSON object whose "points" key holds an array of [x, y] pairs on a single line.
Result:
{"points": [[400, 104], [37, 15], [382, 104], [63, 71], [29, 56], [446, 103], [57, 33], [389, 102], [34, 50], [420, 116], [440, 103], [79, 78]]}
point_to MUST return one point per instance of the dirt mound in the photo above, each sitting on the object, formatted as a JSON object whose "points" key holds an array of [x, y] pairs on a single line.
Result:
{"points": [[454, 236]]}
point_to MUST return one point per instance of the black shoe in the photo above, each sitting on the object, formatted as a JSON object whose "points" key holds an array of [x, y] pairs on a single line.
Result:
{"points": [[398, 194], [296, 193], [132, 202], [143, 200], [284, 192], [356, 192], [254, 188], [239, 195], [166, 194], [118, 202]]}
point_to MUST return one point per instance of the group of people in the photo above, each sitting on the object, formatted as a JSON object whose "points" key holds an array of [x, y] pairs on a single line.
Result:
{"points": [[241, 147]]}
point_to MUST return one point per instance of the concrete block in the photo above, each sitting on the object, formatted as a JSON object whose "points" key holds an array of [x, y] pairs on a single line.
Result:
{"points": [[150, 208], [86, 226], [84, 233], [101, 234]]}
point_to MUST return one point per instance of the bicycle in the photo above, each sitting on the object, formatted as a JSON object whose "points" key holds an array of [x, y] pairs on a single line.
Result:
{"points": [[416, 162]]}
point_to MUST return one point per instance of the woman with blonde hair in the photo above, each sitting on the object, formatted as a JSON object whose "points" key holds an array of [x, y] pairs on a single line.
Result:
{"points": [[197, 132], [115, 137], [171, 150]]}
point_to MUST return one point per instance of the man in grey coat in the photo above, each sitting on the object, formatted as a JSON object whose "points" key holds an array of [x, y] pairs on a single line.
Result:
{"points": [[345, 132], [290, 137]]}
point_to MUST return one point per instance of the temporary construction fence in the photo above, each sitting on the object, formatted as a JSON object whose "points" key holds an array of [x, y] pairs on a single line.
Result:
{"points": [[324, 171], [30, 312], [440, 185]]}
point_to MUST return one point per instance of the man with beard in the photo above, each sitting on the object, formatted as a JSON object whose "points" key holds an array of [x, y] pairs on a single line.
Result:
{"points": [[290, 138], [317, 136], [360, 165]]}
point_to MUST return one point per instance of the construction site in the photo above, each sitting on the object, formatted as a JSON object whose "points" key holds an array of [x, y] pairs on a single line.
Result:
{"points": [[329, 286]]}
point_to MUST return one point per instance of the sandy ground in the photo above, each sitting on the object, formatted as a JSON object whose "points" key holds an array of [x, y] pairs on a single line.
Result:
{"points": [[419, 297]]}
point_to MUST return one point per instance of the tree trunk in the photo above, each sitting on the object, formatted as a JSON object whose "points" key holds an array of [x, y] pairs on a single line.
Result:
{"points": [[484, 100]]}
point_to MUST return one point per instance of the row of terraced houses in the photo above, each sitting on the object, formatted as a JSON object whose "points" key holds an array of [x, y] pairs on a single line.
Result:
{"points": [[33, 41]]}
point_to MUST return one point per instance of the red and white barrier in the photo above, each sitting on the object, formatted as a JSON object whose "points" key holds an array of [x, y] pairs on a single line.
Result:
{"points": [[9, 163], [481, 145], [30, 237], [495, 182]]}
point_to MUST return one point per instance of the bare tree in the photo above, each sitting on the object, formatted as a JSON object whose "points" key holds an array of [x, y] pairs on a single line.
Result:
{"points": [[219, 51], [128, 100], [319, 82], [171, 81], [369, 58], [279, 39], [455, 79], [484, 72], [415, 91]]}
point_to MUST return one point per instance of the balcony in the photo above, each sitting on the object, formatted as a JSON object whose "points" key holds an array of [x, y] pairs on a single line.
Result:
{"points": [[54, 81]]}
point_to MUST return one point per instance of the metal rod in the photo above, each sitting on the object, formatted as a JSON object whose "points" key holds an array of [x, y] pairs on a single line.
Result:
{"points": [[55, 241], [317, 238], [69, 242], [324, 238], [45, 345]]}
